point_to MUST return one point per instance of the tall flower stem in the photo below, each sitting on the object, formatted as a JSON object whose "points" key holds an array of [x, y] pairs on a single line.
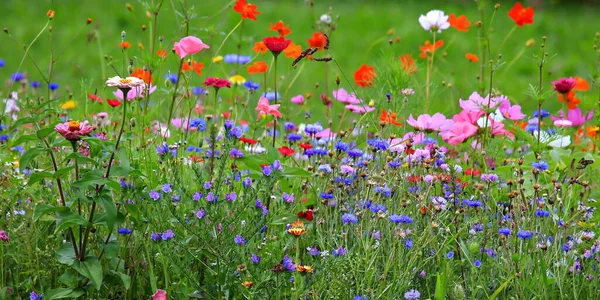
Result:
{"points": [[276, 98], [429, 71], [74, 145], [172, 99]]}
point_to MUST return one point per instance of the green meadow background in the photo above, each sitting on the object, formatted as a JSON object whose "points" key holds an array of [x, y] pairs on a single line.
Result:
{"points": [[361, 37]]}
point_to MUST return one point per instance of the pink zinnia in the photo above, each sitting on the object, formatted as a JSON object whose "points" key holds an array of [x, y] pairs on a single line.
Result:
{"points": [[460, 132], [189, 45], [425, 122], [564, 85], [217, 83], [73, 130]]}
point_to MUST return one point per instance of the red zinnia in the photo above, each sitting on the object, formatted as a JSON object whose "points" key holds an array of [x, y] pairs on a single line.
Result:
{"points": [[217, 83], [276, 44], [286, 151], [248, 11], [248, 141], [113, 102], [521, 15], [364, 76], [306, 146]]}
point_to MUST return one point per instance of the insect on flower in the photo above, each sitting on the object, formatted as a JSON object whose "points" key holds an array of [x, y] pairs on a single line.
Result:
{"points": [[308, 53]]}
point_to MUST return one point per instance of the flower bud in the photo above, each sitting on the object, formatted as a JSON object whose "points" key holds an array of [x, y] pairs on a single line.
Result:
{"points": [[50, 14]]}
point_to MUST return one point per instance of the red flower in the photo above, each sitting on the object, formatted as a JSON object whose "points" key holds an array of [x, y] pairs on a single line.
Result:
{"points": [[308, 215], [217, 83], [162, 53], [286, 151], [258, 67], [306, 146], [193, 65], [95, 98], [429, 48], [248, 11], [124, 45], [472, 172], [364, 76], [414, 178], [281, 28], [226, 115], [521, 15], [276, 44], [196, 158], [248, 141], [317, 40], [113, 102], [461, 23]]}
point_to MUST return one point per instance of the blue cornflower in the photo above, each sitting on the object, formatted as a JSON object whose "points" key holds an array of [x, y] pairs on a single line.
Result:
{"points": [[35, 84], [255, 259], [477, 263], [325, 167], [355, 153], [154, 195], [198, 123], [251, 86], [155, 236], [450, 254], [207, 185], [361, 298], [163, 149], [167, 235], [408, 243], [53, 86], [167, 188], [349, 218], [2, 63], [35, 296], [341, 146], [17, 77], [377, 208], [340, 251], [124, 230], [504, 231], [292, 137], [230, 196], [524, 234], [540, 165], [211, 197], [171, 77], [544, 113], [542, 213], [472, 203], [197, 196], [326, 196], [198, 91], [289, 126], [271, 96], [378, 144], [247, 182], [236, 153], [288, 264], [267, 170], [240, 240], [399, 219], [200, 213], [313, 251], [193, 149]]}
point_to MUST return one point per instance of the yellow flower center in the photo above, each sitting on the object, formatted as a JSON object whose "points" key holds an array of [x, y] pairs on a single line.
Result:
{"points": [[124, 80], [74, 125]]}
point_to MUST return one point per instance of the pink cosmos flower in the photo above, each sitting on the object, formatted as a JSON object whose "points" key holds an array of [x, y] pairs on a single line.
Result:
{"points": [[161, 129], [359, 109], [124, 83], [298, 100], [478, 103], [397, 145], [73, 130], [497, 128], [562, 123], [564, 85], [470, 117], [417, 137], [264, 108], [343, 96], [181, 123], [160, 295], [460, 132], [189, 45], [511, 112], [135, 93], [575, 116], [325, 134], [425, 122]]}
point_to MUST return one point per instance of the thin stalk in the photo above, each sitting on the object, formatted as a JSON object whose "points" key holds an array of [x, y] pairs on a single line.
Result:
{"points": [[276, 98]]}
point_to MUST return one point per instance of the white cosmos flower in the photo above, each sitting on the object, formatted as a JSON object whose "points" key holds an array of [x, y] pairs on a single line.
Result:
{"points": [[256, 149], [124, 83], [434, 20], [496, 116], [554, 140]]}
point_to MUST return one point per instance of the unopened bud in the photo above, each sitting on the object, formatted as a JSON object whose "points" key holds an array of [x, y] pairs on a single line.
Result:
{"points": [[144, 27], [88, 21], [50, 14], [123, 34], [497, 6], [129, 7]]}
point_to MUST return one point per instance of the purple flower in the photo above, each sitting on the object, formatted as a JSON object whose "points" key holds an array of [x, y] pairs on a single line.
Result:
{"points": [[288, 264], [399, 219], [167, 235], [154, 195], [255, 259], [477, 263], [267, 170], [200, 213], [36, 296], [408, 243], [211, 197], [167, 188], [313, 251], [450, 254], [155, 236], [197, 196], [207, 185], [524, 234], [504, 231], [230, 196], [277, 165], [124, 230], [412, 295], [349, 218], [247, 182], [239, 240], [340, 251], [288, 198]]}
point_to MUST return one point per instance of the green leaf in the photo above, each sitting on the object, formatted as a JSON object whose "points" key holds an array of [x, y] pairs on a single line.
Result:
{"points": [[25, 138], [440, 286], [44, 209], [62, 171], [26, 120], [70, 220], [90, 268], [28, 156], [65, 254], [124, 278], [81, 159], [61, 293], [284, 219], [38, 176], [42, 133], [295, 172], [500, 288], [111, 210], [90, 178]]}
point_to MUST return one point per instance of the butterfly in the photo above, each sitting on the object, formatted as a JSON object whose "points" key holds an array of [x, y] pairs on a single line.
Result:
{"points": [[308, 215], [308, 52]]}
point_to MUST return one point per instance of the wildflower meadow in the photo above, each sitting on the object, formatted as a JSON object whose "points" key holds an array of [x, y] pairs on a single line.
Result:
{"points": [[317, 149]]}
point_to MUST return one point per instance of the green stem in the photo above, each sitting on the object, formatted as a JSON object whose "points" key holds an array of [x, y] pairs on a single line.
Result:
{"points": [[173, 98], [276, 98]]}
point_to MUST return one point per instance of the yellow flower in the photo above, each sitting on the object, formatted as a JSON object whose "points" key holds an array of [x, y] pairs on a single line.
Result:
{"points": [[248, 284], [371, 103], [217, 59], [297, 228], [237, 79], [303, 268], [70, 104], [141, 46]]}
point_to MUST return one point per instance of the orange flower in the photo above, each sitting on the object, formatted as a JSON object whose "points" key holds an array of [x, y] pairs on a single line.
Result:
{"points": [[472, 57], [388, 118], [582, 85], [197, 67], [293, 50], [408, 63], [461, 23], [260, 47], [521, 15], [258, 67], [317, 40], [571, 100], [162, 53], [281, 28], [429, 48], [143, 75], [592, 131], [364, 76], [124, 45], [248, 11]]}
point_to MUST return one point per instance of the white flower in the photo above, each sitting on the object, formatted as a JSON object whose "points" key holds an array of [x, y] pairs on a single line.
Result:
{"points": [[325, 18], [554, 140], [434, 20], [256, 149], [124, 83]]}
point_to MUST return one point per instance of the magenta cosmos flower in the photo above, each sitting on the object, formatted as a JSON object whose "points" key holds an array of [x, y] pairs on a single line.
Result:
{"points": [[478, 103], [298, 99], [460, 132], [73, 130], [217, 83], [359, 109], [575, 116], [425, 122], [135, 93], [343, 96], [564, 85], [189, 45]]}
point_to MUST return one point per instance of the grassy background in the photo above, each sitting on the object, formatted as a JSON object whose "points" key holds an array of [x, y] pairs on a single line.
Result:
{"points": [[361, 37]]}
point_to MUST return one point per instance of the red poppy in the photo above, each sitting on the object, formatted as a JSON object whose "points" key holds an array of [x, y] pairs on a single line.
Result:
{"points": [[281, 28], [217, 83], [461, 23], [248, 11], [248, 141], [317, 40], [95, 98], [113, 102], [409, 151], [286, 151], [306, 146], [226, 115], [521, 15], [472, 172], [276, 44], [364, 76], [308, 215]]}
